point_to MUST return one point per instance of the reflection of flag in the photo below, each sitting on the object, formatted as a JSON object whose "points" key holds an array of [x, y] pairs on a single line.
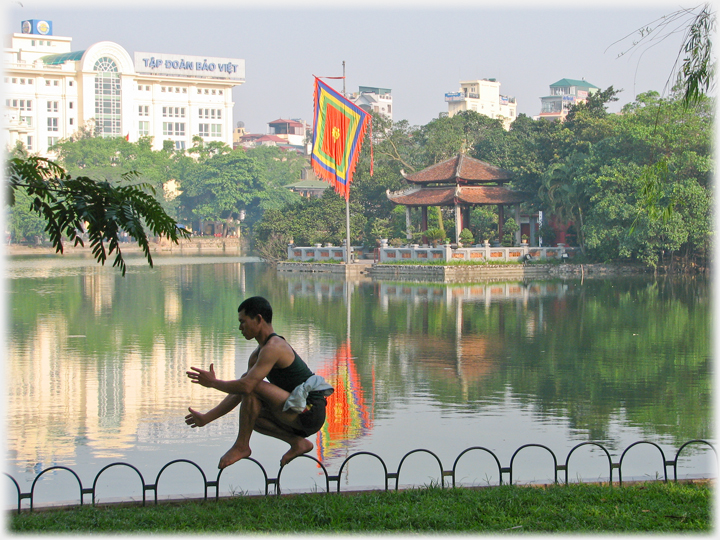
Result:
{"points": [[337, 137], [347, 417]]}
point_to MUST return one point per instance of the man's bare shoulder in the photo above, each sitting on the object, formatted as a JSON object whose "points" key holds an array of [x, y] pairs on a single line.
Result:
{"points": [[278, 351]]}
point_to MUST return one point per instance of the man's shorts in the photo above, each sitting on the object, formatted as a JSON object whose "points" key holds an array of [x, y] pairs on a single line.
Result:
{"points": [[313, 417]]}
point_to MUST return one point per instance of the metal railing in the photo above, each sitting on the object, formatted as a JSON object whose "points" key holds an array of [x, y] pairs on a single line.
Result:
{"points": [[452, 474]]}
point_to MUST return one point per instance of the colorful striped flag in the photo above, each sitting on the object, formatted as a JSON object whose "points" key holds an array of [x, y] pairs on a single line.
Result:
{"points": [[337, 138]]}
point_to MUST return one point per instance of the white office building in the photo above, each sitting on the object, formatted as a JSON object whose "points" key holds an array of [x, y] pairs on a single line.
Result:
{"points": [[51, 91], [374, 99], [483, 96]]}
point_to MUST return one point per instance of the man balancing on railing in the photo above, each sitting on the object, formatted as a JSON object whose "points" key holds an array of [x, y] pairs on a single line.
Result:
{"points": [[290, 407]]}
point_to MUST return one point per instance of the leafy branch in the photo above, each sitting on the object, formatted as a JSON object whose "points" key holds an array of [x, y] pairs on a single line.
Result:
{"points": [[69, 205]]}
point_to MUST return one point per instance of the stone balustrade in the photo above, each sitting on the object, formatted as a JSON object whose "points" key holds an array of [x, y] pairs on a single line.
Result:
{"points": [[445, 253], [318, 253]]}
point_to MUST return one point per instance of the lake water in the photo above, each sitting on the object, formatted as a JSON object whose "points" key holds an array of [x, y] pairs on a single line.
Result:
{"points": [[96, 362]]}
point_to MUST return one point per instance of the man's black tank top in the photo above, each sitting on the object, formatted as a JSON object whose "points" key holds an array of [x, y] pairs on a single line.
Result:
{"points": [[290, 377]]}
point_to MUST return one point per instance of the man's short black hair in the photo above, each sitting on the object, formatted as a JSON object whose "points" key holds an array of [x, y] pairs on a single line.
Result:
{"points": [[257, 305]]}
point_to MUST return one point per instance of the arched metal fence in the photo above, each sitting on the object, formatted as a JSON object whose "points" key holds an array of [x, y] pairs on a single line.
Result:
{"points": [[452, 474]]}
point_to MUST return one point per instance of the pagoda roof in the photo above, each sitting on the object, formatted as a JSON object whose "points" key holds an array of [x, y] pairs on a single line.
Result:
{"points": [[451, 195], [460, 169]]}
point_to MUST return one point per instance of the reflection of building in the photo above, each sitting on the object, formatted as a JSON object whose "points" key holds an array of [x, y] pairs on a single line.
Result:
{"points": [[488, 291], [348, 417], [482, 96], [564, 94], [52, 91], [59, 397]]}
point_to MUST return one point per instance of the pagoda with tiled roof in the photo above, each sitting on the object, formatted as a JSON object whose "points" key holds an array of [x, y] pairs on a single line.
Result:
{"points": [[461, 182]]}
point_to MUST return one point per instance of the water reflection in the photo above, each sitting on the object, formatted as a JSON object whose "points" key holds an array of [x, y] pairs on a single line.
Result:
{"points": [[96, 362], [348, 416]]}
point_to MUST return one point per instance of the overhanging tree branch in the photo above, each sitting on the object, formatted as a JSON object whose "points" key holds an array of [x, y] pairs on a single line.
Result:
{"points": [[70, 204]]}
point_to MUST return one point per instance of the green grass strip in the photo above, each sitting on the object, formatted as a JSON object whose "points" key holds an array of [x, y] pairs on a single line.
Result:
{"points": [[652, 507]]}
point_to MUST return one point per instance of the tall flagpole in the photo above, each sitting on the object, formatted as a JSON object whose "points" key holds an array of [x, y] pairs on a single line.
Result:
{"points": [[347, 201]]}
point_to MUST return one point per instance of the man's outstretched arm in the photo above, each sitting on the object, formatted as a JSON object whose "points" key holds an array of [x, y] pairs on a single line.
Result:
{"points": [[259, 367], [198, 419]]}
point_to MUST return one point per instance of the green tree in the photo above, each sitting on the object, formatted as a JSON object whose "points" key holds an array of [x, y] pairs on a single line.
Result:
{"points": [[311, 221], [222, 185], [445, 137], [69, 204]]}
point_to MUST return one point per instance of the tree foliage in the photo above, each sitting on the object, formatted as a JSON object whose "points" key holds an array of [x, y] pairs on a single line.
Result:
{"points": [[70, 204]]}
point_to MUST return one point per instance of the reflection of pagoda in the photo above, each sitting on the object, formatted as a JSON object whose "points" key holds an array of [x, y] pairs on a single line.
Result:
{"points": [[348, 417]]}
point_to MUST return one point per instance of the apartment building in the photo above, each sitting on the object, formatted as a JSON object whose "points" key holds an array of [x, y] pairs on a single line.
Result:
{"points": [[483, 96], [564, 94]]}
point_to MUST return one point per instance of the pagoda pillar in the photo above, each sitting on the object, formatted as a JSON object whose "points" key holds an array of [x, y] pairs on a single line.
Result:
{"points": [[466, 217], [423, 223], [501, 220], [458, 223]]}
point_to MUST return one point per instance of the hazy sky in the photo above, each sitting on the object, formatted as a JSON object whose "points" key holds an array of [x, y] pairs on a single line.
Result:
{"points": [[420, 50]]}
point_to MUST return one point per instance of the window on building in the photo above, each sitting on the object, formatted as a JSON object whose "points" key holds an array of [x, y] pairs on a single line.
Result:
{"points": [[108, 108], [144, 110], [14, 80], [52, 141], [56, 83], [52, 124], [216, 130], [162, 88], [27, 120], [71, 105], [176, 129], [173, 112], [212, 114], [204, 130], [26, 104], [52, 106], [22, 81], [220, 92], [29, 143], [71, 83], [72, 121], [143, 128], [179, 145]]}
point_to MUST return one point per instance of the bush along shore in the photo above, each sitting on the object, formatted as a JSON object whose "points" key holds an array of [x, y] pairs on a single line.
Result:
{"points": [[647, 507]]}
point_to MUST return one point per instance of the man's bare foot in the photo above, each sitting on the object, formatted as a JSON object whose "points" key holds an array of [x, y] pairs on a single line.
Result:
{"points": [[302, 446], [233, 455]]}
